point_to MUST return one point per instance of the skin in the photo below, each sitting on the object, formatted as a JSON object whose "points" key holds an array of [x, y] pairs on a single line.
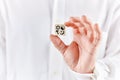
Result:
{"points": [[81, 53]]}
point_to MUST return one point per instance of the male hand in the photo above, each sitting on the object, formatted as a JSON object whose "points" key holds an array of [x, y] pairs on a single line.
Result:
{"points": [[81, 53]]}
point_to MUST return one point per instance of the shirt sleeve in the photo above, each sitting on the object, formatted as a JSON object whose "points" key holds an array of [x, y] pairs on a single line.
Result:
{"points": [[2, 49], [107, 68], [78, 76]]}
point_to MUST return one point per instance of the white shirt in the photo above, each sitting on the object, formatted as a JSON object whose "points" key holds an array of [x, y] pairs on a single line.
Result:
{"points": [[25, 49]]}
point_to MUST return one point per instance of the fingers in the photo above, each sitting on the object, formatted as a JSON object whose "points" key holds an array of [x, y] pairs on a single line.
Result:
{"points": [[72, 54], [98, 34], [58, 43], [77, 20], [94, 33], [71, 24], [76, 27], [83, 25], [89, 28], [98, 30], [86, 20]]}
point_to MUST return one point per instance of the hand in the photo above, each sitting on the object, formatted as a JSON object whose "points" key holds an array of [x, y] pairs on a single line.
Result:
{"points": [[81, 53]]}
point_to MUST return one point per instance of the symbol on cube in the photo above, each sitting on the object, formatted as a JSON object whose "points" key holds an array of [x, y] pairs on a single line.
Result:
{"points": [[60, 29]]}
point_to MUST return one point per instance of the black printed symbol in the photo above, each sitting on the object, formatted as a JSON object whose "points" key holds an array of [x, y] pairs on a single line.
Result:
{"points": [[60, 29]]}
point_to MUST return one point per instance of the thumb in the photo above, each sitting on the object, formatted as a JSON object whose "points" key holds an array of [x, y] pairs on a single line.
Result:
{"points": [[58, 43]]}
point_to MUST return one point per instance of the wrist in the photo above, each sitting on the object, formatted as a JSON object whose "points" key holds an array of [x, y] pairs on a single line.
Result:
{"points": [[84, 70]]}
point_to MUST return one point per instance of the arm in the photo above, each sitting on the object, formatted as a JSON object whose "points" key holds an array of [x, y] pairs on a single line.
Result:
{"points": [[80, 54], [106, 68]]}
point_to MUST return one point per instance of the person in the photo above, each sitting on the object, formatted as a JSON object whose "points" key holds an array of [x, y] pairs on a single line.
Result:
{"points": [[89, 49]]}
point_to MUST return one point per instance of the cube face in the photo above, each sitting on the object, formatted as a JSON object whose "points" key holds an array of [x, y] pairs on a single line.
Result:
{"points": [[60, 29]]}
